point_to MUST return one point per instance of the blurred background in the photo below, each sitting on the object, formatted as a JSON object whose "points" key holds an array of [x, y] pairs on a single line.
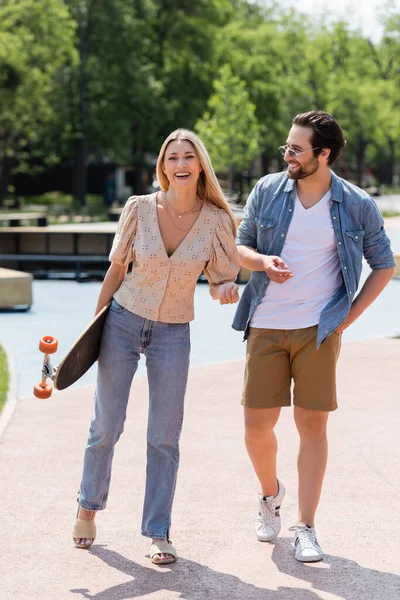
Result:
{"points": [[90, 88]]}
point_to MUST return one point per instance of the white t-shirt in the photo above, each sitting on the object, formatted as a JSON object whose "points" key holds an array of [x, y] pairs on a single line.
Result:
{"points": [[311, 255]]}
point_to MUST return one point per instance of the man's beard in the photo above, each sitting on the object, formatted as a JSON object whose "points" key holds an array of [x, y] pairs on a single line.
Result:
{"points": [[303, 171]]}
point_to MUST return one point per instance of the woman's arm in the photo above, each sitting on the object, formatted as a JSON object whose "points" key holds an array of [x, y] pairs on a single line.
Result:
{"points": [[112, 281], [226, 293]]}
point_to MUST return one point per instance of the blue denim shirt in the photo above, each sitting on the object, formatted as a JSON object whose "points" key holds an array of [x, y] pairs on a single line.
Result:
{"points": [[358, 228]]}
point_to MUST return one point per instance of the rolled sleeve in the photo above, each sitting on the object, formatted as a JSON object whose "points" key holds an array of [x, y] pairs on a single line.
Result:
{"points": [[247, 232], [122, 251], [224, 264], [376, 244]]}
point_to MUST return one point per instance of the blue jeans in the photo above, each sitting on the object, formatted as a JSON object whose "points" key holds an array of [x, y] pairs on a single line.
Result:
{"points": [[166, 348]]}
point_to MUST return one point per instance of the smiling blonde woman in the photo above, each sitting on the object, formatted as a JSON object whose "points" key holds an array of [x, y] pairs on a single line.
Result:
{"points": [[170, 238]]}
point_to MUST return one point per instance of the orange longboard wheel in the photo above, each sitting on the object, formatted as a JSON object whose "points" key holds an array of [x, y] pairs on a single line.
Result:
{"points": [[48, 344], [42, 390]]}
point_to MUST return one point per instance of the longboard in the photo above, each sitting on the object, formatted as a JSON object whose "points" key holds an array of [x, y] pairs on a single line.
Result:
{"points": [[82, 355]]}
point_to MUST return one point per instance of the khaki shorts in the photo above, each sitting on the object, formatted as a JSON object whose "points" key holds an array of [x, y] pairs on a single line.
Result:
{"points": [[275, 356]]}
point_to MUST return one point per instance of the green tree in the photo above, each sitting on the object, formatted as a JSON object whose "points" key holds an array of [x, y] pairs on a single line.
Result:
{"points": [[147, 70], [185, 38], [385, 71], [271, 52], [36, 46], [229, 128], [362, 95], [112, 85]]}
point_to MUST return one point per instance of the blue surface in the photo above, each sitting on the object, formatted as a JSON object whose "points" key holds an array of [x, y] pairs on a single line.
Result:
{"points": [[64, 308]]}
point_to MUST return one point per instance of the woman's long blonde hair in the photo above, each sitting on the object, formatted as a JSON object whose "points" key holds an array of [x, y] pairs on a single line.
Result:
{"points": [[208, 187]]}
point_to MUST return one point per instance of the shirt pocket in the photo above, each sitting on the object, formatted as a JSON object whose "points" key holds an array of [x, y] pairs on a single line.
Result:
{"points": [[354, 245], [266, 228], [356, 236]]}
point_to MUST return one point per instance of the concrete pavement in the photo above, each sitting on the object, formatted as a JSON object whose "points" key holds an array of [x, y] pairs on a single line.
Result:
{"points": [[216, 502], [64, 308]]}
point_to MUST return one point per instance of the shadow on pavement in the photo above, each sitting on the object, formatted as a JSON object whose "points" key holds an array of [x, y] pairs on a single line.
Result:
{"points": [[191, 580], [339, 576]]}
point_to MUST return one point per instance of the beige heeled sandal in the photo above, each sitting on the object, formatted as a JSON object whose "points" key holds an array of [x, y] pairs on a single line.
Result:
{"points": [[162, 547], [84, 529]]}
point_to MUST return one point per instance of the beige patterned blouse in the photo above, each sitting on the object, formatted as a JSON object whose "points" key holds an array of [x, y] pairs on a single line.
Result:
{"points": [[161, 288]]}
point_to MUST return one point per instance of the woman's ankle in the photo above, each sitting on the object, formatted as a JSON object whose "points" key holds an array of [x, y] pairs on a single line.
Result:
{"points": [[85, 514]]}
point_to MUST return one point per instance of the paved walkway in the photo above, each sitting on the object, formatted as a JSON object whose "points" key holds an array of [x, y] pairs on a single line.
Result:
{"points": [[40, 466], [392, 224]]}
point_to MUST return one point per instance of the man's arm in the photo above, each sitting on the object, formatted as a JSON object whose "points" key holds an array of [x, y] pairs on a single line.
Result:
{"points": [[246, 241], [274, 266], [373, 286], [376, 244], [377, 252]]}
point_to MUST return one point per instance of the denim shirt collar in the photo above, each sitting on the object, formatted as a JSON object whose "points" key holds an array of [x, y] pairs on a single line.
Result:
{"points": [[353, 212], [336, 187]]}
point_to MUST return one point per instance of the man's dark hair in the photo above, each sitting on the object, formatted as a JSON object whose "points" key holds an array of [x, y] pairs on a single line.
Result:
{"points": [[326, 132]]}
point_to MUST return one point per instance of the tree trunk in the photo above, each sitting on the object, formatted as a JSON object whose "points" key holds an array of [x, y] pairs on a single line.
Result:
{"points": [[80, 144], [231, 180], [361, 148], [240, 188], [391, 162], [79, 172], [340, 166], [5, 172], [265, 163], [138, 185]]}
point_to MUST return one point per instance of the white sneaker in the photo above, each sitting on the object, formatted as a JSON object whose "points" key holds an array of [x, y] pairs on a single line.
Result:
{"points": [[268, 522], [306, 547]]}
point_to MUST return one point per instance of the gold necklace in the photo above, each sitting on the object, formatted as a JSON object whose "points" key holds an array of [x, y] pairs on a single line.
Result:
{"points": [[175, 225], [186, 212]]}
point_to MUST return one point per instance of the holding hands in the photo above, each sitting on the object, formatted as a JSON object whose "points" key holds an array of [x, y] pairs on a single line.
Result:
{"points": [[228, 293]]}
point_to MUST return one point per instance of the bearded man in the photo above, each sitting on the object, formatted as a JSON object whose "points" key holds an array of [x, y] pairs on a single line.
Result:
{"points": [[304, 235]]}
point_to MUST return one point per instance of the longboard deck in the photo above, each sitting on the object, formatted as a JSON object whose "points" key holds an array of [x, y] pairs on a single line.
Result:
{"points": [[83, 353]]}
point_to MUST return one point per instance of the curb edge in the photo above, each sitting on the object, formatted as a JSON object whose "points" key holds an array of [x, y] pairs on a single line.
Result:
{"points": [[11, 401]]}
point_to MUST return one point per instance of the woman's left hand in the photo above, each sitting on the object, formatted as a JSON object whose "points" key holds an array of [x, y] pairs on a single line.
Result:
{"points": [[228, 293]]}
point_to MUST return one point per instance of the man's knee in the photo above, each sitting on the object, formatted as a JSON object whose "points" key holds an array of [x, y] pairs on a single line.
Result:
{"points": [[260, 421], [311, 424]]}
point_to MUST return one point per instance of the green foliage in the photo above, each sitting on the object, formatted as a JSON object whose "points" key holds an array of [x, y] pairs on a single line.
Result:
{"points": [[36, 47], [229, 128], [61, 208], [120, 75], [141, 60], [185, 38], [4, 377], [291, 65], [389, 213]]}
